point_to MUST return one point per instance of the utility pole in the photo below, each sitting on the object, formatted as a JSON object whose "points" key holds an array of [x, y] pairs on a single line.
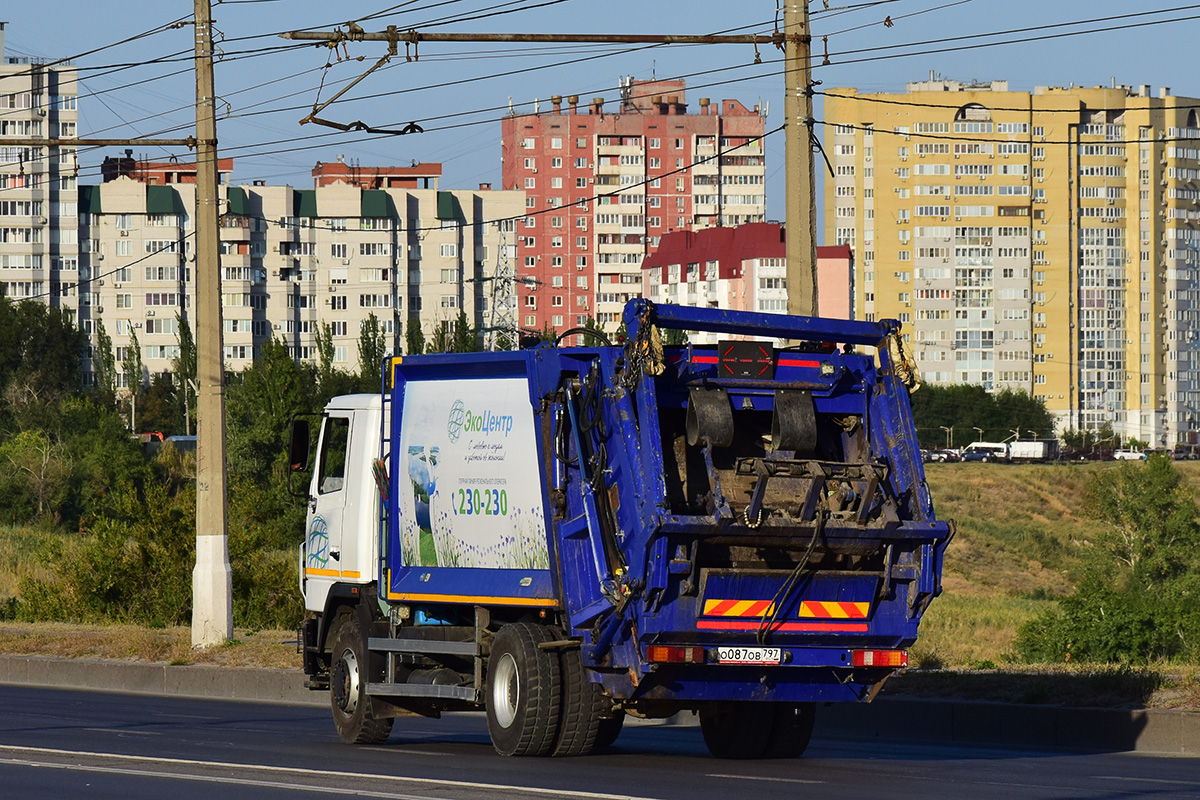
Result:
{"points": [[212, 590], [801, 186]]}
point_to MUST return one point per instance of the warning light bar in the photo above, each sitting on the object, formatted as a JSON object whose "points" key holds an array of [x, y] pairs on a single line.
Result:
{"points": [[879, 658], [674, 654]]}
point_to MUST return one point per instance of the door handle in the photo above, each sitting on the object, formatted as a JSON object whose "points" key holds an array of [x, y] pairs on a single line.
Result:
{"points": [[312, 504]]}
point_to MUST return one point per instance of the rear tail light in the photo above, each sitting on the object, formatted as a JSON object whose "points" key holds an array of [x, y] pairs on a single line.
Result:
{"points": [[674, 654], [879, 658]]}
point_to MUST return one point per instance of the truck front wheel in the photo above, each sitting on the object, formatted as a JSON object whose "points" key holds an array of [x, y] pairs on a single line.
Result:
{"points": [[349, 672], [524, 684]]}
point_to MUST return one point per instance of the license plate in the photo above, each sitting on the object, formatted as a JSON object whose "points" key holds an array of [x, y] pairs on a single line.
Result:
{"points": [[749, 655]]}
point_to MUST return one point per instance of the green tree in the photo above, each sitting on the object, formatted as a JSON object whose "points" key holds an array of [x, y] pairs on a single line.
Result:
{"points": [[104, 364], [159, 408], [372, 349], [184, 368], [261, 405], [464, 338], [414, 337], [131, 365], [41, 354], [324, 342], [442, 338], [674, 336], [1139, 581], [965, 407], [39, 461]]}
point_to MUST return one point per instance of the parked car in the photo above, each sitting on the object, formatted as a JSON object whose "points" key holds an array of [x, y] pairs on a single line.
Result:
{"points": [[1129, 455], [986, 451], [944, 456]]}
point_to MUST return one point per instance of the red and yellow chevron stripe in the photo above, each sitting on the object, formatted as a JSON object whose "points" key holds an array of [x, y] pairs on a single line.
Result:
{"points": [[826, 609], [737, 608]]}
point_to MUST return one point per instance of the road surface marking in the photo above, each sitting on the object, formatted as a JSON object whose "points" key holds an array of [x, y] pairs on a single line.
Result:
{"points": [[183, 776], [760, 778], [527, 790], [121, 730], [1146, 780]]}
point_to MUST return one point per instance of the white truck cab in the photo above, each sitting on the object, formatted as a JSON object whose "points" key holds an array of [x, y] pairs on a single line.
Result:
{"points": [[342, 525]]}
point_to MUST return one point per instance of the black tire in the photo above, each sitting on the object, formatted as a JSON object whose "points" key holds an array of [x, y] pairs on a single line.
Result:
{"points": [[737, 730], [608, 731], [349, 673], [524, 686], [791, 730], [583, 707]]}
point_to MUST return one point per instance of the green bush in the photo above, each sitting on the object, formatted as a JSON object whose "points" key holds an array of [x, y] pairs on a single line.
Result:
{"points": [[1138, 597], [134, 565]]}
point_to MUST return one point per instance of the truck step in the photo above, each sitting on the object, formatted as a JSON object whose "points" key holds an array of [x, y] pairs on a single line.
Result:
{"points": [[421, 690], [422, 646]]}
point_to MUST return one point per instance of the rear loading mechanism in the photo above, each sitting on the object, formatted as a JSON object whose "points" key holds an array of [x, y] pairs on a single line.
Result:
{"points": [[728, 528]]}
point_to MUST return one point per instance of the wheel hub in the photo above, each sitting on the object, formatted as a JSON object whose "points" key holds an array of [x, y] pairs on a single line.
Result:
{"points": [[345, 682], [506, 691]]}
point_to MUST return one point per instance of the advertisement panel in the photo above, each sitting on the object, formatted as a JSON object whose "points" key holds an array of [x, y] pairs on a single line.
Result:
{"points": [[473, 497]]}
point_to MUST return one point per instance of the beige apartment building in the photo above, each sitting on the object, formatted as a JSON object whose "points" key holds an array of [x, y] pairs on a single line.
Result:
{"points": [[1045, 241], [293, 260], [39, 253]]}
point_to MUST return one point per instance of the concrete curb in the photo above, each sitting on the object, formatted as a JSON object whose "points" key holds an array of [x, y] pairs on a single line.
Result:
{"points": [[225, 683], [888, 719], [1014, 725]]}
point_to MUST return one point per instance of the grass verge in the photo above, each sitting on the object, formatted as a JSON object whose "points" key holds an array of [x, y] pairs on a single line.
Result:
{"points": [[271, 649]]}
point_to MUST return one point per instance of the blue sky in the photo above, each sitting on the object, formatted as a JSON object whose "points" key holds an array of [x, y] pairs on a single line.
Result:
{"points": [[267, 94]]}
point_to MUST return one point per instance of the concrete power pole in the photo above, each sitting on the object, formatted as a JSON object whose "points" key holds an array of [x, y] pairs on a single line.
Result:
{"points": [[801, 185], [212, 590]]}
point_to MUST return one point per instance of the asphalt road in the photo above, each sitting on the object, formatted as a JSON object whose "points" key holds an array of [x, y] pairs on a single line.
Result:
{"points": [[99, 745]]}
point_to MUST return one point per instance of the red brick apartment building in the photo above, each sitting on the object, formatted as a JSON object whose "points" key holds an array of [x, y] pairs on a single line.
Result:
{"points": [[604, 184]]}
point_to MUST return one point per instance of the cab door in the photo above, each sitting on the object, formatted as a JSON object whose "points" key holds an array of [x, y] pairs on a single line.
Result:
{"points": [[327, 504]]}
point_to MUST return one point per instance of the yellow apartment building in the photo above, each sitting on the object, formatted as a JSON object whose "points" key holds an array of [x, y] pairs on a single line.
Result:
{"points": [[1045, 241]]}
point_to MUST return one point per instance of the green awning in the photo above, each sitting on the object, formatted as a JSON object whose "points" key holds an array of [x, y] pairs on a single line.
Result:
{"points": [[89, 200], [378, 204], [448, 207], [305, 202], [238, 202], [163, 200]]}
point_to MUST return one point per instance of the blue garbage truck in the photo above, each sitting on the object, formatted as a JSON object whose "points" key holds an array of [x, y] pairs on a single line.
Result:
{"points": [[564, 536]]}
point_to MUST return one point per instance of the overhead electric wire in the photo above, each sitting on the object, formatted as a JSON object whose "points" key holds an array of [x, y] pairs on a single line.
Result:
{"points": [[1030, 29], [476, 224], [67, 59], [1023, 138], [899, 17], [1072, 33]]}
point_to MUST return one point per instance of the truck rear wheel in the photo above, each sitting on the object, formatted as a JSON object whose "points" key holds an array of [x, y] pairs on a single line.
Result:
{"points": [[583, 708], [524, 684], [791, 730], [608, 730], [349, 673], [737, 730]]}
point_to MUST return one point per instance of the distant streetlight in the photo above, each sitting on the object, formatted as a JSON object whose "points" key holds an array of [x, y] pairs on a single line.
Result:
{"points": [[949, 435], [978, 434]]}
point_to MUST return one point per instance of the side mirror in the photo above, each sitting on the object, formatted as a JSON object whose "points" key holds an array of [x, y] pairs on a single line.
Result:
{"points": [[298, 446]]}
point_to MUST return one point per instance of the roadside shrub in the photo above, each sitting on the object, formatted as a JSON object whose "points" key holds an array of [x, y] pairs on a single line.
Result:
{"points": [[134, 563], [1138, 597]]}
